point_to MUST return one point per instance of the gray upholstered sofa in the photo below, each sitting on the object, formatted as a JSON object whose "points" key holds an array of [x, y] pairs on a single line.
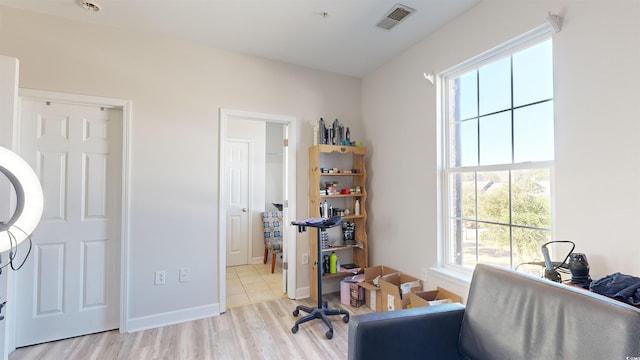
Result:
{"points": [[508, 315]]}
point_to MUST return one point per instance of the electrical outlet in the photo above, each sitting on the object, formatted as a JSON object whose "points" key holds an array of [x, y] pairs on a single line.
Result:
{"points": [[160, 277], [185, 275], [305, 258]]}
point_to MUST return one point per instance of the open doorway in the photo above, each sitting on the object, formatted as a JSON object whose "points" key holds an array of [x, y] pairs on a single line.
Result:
{"points": [[257, 175], [254, 272]]}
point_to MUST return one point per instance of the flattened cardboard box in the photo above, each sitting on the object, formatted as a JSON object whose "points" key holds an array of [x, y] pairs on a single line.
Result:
{"points": [[433, 297], [392, 297], [373, 296]]}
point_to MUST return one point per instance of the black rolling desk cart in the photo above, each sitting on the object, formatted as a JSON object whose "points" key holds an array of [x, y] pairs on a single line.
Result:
{"points": [[322, 310]]}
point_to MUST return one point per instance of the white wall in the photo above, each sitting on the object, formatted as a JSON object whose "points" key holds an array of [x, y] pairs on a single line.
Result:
{"points": [[176, 90], [597, 132]]}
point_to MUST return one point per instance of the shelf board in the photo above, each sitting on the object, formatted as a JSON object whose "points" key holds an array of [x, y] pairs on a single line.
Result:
{"points": [[347, 217], [336, 248], [341, 174], [342, 195], [343, 149], [343, 217], [340, 274]]}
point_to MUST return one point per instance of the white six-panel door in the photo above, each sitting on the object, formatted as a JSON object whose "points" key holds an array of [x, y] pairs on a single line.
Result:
{"points": [[69, 285], [238, 202]]}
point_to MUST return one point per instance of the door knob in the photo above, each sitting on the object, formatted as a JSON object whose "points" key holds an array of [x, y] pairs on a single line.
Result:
{"points": [[244, 209]]}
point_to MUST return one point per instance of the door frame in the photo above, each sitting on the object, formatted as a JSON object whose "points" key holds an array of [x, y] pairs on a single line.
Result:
{"points": [[288, 211], [87, 100]]}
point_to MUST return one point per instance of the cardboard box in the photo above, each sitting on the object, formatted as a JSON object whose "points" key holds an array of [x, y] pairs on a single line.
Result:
{"points": [[433, 297], [345, 288], [357, 295], [396, 289], [372, 293], [345, 291]]}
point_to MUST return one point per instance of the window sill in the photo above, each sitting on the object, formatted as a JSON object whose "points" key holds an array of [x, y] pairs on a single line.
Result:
{"points": [[451, 276]]}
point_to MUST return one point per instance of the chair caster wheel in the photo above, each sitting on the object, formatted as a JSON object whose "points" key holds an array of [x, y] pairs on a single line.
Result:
{"points": [[296, 312], [329, 334], [294, 329], [345, 319]]}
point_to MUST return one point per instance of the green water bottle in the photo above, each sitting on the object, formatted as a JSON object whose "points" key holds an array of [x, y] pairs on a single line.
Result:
{"points": [[333, 263]]}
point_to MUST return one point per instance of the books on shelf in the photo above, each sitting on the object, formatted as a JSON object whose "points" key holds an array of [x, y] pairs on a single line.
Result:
{"points": [[352, 268]]}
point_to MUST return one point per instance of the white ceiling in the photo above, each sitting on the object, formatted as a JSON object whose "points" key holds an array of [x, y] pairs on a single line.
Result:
{"points": [[345, 41]]}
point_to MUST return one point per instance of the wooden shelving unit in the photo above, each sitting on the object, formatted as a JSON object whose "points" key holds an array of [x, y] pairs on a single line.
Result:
{"points": [[341, 157]]}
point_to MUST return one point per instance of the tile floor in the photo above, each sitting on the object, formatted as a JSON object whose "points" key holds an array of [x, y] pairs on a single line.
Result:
{"points": [[249, 284]]}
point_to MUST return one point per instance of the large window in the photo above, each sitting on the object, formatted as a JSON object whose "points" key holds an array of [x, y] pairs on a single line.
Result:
{"points": [[498, 155]]}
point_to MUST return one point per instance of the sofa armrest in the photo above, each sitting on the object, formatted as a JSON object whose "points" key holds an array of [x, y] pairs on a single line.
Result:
{"points": [[426, 332]]}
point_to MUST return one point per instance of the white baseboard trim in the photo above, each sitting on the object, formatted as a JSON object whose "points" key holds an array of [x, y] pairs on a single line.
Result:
{"points": [[303, 293], [257, 260], [172, 317]]}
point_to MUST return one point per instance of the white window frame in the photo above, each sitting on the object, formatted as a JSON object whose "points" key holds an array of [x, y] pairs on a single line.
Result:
{"points": [[527, 40]]}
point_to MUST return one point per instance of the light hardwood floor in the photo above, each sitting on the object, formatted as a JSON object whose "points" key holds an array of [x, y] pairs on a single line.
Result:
{"points": [[254, 331]]}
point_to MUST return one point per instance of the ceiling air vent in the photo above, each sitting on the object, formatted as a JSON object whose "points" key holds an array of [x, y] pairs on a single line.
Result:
{"points": [[397, 13]]}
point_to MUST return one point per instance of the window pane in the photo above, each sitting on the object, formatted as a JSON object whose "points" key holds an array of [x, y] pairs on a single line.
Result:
{"points": [[527, 243], [495, 86], [495, 139], [499, 116], [458, 243], [467, 96], [463, 198], [494, 244], [464, 143], [469, 254], [533, 133], [533, 74], [493, 197], [531, 198], [468, 245]]}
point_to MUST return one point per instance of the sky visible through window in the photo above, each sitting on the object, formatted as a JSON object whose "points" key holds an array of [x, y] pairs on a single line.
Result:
{"points": [[484, 110]]}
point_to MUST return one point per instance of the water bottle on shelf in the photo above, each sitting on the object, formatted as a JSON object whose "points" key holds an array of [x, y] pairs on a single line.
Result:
{"points": [[333, 261]]}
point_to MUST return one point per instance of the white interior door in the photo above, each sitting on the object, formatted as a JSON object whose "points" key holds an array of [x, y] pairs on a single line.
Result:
{"points": [[237, 160], [69, 286], [254, 134]]}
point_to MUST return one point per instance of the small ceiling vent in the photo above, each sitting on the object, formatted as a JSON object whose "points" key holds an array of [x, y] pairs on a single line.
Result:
{"points": [[397, 13]]}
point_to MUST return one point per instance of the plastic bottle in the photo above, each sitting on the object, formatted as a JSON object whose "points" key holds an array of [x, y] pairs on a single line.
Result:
{"points": [[316, 132], [357, 207], [325, 209], [323, 132], [333, 262]]}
